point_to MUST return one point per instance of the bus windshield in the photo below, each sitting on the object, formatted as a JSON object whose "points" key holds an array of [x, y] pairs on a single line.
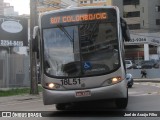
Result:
{"points": [[86, 49]]}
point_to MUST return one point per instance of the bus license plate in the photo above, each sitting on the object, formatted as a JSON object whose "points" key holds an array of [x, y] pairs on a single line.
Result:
{"points": [[83, 93]]}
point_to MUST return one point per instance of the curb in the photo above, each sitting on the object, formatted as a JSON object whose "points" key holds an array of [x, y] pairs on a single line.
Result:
{"points": [[147, 80]]}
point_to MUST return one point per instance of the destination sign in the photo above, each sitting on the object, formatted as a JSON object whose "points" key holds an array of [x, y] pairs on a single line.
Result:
{"points": [[78, 18]]}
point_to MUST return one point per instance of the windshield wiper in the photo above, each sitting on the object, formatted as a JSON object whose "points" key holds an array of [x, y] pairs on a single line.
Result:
{"points": [[93, 30], [66, 33]]}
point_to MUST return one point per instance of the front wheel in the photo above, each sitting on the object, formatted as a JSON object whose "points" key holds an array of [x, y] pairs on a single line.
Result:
{"points": [[61, 106], [129, 86], [122, 103]]}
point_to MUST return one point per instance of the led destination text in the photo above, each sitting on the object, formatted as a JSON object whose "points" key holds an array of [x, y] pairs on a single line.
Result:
{"points": [[77, 18]]}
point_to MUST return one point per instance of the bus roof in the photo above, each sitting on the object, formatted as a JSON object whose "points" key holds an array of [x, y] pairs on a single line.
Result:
{"points": [[77, 8]]}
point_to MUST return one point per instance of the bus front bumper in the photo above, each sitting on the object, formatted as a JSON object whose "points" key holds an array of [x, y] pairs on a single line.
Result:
{"points": [[118, 90]]}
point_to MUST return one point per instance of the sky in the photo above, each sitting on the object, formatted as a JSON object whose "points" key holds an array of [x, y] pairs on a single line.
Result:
{"points": [[20, 6]]}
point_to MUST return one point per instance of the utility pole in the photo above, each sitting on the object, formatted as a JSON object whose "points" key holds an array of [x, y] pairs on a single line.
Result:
{"points": [[33, 57]]}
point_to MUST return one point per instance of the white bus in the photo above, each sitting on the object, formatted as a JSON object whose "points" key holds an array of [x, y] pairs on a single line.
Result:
{"points": [[82, 55]]}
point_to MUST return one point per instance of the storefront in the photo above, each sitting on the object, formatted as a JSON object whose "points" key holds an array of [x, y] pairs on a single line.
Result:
{"points": [[142, 46]]}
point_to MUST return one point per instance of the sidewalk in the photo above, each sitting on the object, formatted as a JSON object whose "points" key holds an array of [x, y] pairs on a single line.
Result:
{"points": [[146, 79], [16, 98]]}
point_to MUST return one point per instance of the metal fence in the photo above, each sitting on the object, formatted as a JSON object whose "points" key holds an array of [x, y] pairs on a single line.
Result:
{"points": [[14, 70]]}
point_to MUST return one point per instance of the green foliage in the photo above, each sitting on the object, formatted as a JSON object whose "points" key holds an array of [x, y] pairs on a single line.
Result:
{"points": [[17, 91]]}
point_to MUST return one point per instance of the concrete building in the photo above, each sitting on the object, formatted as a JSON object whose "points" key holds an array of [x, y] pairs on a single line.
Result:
{"points": [[143, 19], [139, 14], [70, 2], [2, 6], [118, 3], [91, 2], [6, 9], [9, 11], [48, 5], [142, 14]]}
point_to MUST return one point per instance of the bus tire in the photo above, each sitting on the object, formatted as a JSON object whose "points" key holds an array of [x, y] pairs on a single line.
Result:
{"points": [[129, 86], [61, 106], [121, 103]]}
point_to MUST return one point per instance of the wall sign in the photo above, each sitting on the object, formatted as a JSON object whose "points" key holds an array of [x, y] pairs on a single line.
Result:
{"points": [[143, 39], [11, 26], [13, 31]]}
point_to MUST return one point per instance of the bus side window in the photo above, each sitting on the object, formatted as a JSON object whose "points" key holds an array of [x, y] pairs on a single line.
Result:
{"points": [[125, 30]]}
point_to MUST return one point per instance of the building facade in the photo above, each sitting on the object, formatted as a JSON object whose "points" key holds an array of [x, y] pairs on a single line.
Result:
{"points": [[118, 3], [142, 14], [139, 14], [2, 6], [6, 9], [48, 5], [143, 19], [91, 2]]}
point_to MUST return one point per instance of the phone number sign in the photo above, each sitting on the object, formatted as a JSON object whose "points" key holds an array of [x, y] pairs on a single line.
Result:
{"points": [[13, 31], [137, 39], [142, 39]]}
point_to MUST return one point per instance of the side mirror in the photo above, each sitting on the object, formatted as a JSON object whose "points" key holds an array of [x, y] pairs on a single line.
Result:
{"points": [[35, 39], [125, 30]]}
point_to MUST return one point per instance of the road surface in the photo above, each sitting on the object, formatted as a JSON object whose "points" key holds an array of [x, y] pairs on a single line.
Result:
{"points": [[142, 97]]}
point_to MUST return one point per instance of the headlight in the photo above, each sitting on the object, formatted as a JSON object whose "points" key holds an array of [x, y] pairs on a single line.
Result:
{"points": [[116, 79], [52, 86], [112, 81]]}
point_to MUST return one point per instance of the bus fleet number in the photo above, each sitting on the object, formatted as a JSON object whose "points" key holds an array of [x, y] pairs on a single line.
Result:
{"points": [[74, 81]]}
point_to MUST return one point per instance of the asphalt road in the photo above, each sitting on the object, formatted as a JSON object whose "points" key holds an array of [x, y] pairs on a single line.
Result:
{"points": [[142, 97]]}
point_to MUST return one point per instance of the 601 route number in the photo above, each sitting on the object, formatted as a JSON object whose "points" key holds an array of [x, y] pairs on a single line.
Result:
{"points": [[74, 81]]}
